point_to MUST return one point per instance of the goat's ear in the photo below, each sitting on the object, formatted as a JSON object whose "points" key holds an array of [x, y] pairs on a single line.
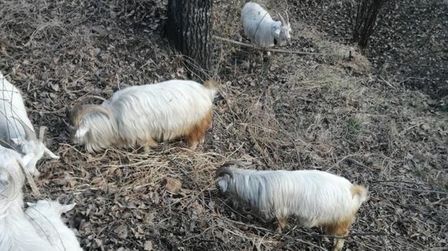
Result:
{"points": [[276, 28], [66, 208], [81, 132], [223, 184], [277, 32], [50, 153]]}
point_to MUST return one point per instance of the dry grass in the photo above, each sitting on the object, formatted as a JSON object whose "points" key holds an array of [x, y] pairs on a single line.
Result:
{"points": [[291, 112]]}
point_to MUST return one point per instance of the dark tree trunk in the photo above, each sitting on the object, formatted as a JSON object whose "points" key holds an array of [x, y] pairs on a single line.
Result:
{"points": [[188, 28], [365, 20]]}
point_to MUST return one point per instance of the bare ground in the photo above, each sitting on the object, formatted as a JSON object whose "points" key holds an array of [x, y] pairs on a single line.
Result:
{"points": [[289, 112]]}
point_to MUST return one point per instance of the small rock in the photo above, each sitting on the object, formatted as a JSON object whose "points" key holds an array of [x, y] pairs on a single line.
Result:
{"points": [[148, 246], [122, 231], [173, 185], [55, 87], [425, 127]]}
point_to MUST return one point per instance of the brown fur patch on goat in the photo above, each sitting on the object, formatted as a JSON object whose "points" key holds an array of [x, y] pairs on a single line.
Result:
{"points": [[358, 190], [282, 222], [339, 229], [211, 84], [196, 134], [149, 143]]}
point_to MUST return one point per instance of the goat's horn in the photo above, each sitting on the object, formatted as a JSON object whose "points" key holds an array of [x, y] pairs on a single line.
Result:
{"points": [[282, 19], [287, 16], [224, 169], [42, 133], [98, 108], [29, 133], [79, 111]]}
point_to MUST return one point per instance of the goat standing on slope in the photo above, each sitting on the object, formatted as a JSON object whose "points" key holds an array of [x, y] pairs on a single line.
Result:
{"points": [[261, 29], [45, 215], [316, 198], [147, 114], [16, 129], [16, 232]]}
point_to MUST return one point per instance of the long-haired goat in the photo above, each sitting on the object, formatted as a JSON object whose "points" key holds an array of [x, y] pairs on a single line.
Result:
{"points": [[261, 29], [16, 130], [316, 198], [147, 114], [16, 232], [45, 215]]}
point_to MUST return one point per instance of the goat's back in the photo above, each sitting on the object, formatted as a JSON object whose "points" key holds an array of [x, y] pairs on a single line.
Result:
{"points": [[165, 110]]}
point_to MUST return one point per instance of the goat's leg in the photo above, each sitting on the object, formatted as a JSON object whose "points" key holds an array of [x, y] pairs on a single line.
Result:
{"points": [[149, 144], [339, 229], [281, 223]]}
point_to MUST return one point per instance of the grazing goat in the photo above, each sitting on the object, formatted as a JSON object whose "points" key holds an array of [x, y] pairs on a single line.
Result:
{"points": [[261, 29], [16, 130], [45, 215], [147, 114], [316, 198], [16, 232]]}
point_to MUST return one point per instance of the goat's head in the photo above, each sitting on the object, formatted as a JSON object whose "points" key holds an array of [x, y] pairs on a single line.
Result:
{"points": [[83, 118], [32, 148], [224, 176], [284, 30], [51, 206]]}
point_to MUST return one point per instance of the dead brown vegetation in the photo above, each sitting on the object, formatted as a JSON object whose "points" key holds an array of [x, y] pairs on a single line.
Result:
{"points": [[292, 112]]}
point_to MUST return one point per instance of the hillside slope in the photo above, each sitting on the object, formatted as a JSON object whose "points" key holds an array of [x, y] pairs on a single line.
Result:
{"points": [[319, 111]]}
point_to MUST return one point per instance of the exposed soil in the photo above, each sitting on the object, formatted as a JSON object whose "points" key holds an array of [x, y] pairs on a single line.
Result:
{"points": [[286, 112]]}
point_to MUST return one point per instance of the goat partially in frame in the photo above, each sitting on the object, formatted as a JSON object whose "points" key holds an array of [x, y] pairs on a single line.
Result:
{"points": [[16, 130]]}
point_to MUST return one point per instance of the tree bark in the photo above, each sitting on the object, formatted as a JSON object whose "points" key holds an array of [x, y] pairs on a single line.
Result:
{"points": [[188, 28], [365, 21]]}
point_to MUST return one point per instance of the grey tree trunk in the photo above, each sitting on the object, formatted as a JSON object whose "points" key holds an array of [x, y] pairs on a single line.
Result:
{"points": [[189, 28], [365, 20]]}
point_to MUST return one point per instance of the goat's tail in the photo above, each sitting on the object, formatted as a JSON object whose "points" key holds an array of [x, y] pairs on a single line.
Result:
{"points": [[212, 86], [360, 194]]}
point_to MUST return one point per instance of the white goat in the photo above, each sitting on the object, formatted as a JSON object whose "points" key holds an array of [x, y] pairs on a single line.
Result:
{"points": [[261, 29], [316, 198], [45, 215], [16, 232], [16, 130], [147, 114]]}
